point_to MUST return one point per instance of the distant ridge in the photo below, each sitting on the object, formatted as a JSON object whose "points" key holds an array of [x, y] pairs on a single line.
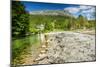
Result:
{"points": [[50, 12]]}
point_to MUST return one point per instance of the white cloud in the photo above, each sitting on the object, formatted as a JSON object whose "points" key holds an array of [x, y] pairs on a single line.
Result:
{"points": [[85, 7], [72, 9], [90, 10], [86, 11]]}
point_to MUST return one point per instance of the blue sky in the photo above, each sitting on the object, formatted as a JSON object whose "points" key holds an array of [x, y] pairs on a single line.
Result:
{"points": [[75, 10]]}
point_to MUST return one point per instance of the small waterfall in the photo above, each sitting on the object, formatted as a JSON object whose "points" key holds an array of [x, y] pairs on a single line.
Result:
{"points": [[42, 38]]}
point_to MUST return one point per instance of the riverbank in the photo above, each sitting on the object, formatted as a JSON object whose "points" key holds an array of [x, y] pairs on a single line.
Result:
{"points": [[61, 47], [65, 47]]}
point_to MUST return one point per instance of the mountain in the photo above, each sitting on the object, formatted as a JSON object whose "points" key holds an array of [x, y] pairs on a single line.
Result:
{"points": [[51, 12]]}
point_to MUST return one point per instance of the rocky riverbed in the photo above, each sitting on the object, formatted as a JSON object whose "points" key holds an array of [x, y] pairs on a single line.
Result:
{"points": [[65, 47]]}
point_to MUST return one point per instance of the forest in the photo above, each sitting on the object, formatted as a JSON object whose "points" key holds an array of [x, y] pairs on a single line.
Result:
{"points": [[24, 23], [59, 23]]}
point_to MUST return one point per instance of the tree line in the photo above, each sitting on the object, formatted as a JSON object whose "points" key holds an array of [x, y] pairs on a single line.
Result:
{"points": [[23, 22]]}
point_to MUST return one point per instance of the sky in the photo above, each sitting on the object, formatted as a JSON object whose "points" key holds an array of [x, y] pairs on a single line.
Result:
{"points": [[76, 10]]}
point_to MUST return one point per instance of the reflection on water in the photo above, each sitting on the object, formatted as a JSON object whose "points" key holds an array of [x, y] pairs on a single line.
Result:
{"points": [[28, 40], [22, 45]]}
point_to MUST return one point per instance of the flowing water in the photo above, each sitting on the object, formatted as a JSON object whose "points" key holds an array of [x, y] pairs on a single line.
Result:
{"points": [[26, 49]]}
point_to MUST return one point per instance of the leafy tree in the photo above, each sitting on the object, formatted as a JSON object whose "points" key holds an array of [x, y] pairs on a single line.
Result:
{"points": [[19, 19]]}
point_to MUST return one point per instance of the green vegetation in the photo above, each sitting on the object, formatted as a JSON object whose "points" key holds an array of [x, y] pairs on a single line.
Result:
{"points": [[19, 19], [19, 29], [20, 46], [23, 23], [64, 23]]}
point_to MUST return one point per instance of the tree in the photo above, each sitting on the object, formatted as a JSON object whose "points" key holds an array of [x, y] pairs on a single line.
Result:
{"points": [[20, 19]]}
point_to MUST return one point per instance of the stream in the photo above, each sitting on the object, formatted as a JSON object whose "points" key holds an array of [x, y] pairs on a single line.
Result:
{"points": [[26, 49]]}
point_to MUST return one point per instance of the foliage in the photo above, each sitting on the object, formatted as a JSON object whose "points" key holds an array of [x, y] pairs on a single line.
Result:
{"points": [[19, 19], [65, 23]]}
